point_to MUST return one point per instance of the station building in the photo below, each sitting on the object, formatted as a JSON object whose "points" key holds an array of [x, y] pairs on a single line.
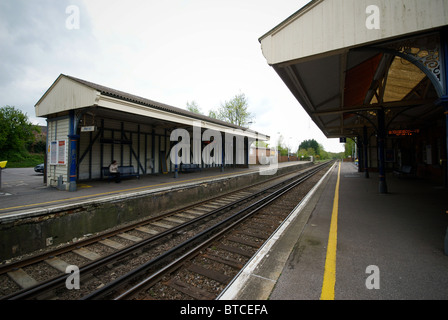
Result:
{"points": [[90, 125], [375, 72]]}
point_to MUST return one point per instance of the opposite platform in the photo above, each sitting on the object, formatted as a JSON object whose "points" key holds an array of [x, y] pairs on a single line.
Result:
{"points": [[32, 217], [387, 247], [23, 189]]}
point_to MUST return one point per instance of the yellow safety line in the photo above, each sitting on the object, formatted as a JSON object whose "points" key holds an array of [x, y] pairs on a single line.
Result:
{"points": [[120, 191], [330, 261]]}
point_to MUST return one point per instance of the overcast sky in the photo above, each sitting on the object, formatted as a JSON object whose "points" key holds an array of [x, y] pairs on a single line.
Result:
{"points": [[171, 51]]}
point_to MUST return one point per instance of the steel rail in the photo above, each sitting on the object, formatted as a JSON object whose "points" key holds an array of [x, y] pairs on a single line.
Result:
{"points": [[60, 280], [193, 245], [93, 239]]}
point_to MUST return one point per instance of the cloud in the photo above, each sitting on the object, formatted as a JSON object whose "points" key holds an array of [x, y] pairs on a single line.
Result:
{"points": [[169, 51], [36, 47]]}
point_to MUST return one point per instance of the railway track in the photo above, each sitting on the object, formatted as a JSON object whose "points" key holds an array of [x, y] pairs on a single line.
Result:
{"points": [[208, 262], [121, 258]]}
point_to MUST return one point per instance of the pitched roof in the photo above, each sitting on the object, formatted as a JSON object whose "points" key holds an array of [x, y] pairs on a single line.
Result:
{"points": [[149, 103]]}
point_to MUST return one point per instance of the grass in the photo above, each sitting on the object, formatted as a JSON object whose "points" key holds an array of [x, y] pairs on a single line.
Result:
{"points": [[25, 161]]}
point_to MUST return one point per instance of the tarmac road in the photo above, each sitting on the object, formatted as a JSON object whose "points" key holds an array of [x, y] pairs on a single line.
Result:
{"points": [[20, 186], [14, 179]]}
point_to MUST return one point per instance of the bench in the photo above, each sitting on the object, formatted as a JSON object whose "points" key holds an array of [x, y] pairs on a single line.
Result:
{"points": [[404, 171], [125, 172], [189, 167]]}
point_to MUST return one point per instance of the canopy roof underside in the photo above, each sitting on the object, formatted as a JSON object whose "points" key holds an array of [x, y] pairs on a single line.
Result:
{"points": [[343, 75], [342, 92]]}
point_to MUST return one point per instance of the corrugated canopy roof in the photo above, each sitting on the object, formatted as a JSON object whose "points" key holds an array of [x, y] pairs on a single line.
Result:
{"points": [[71, 93], [150, 103]]}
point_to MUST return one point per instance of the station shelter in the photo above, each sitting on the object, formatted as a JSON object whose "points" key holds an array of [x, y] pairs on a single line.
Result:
{"points": [[90, 125], [375, 72]]}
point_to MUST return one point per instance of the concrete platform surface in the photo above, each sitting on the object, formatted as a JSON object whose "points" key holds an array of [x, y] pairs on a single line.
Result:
{"points": [[23, 189], [389, 246]]}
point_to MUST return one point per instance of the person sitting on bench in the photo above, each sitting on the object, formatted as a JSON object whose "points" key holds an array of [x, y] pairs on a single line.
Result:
{"points": [[113, 169]]}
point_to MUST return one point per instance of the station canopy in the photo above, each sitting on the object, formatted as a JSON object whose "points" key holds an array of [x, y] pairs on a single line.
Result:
{"points": [[344, 60], [88, 98]]}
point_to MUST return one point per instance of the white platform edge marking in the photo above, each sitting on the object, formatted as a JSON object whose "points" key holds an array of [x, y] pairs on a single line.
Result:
{"points": [[241, 279]]}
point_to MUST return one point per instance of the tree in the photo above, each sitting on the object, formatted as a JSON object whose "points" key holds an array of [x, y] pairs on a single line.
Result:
{"points": [[235, 111], [324, 155], [313, 144], [193, 107], [282, 149], [311, 152], [349, 148], [302, 154], [212, 114], [16, 131]]}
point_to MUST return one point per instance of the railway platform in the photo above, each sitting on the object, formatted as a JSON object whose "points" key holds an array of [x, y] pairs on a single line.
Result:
{"points": [[23, 191], [34, 216], [384, 247]]}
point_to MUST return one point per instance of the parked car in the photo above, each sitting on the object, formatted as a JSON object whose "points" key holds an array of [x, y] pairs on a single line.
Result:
{"points": [[39, 168]]}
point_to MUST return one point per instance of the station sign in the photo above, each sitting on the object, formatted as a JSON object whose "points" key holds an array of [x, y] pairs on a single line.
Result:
{"points": [[403, 132], [88, 129]]}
